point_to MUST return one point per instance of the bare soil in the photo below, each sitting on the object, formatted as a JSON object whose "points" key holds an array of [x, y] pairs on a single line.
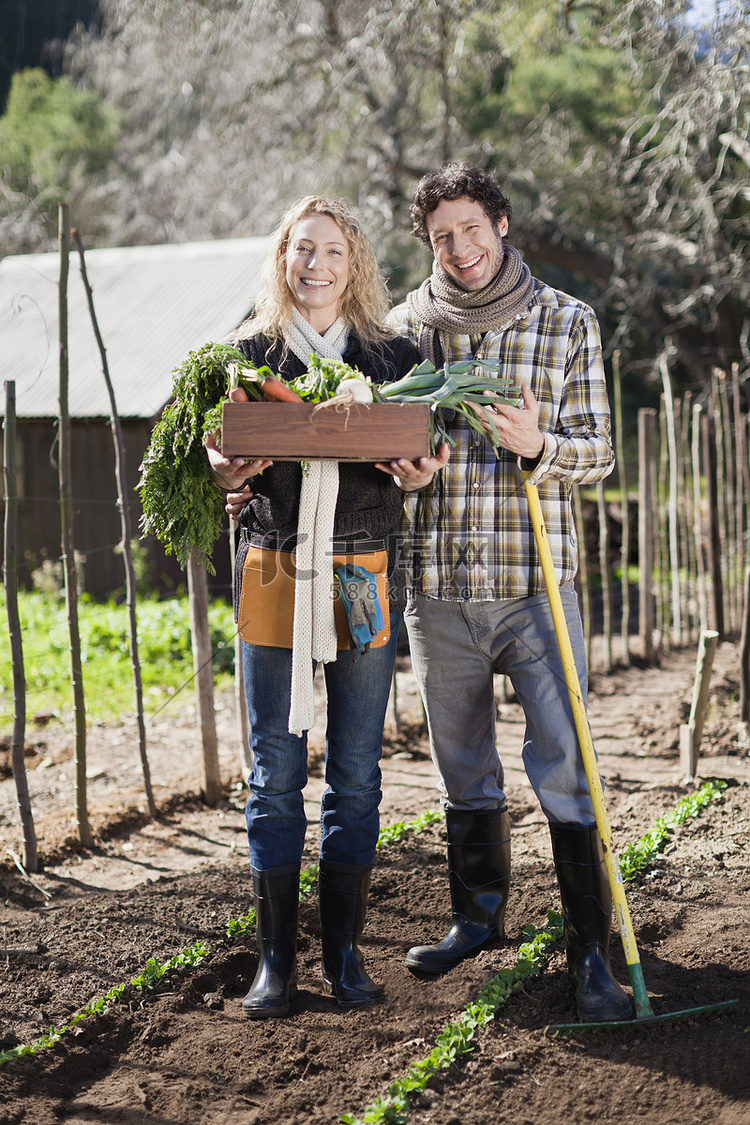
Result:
{"points": [[184, 1055]]}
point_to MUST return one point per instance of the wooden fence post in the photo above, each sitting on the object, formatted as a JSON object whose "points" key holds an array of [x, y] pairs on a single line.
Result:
{"points": [[601, 508], [745, 662], [691, 732], [714, 546], [66, 535], [673, 529], [646, 432], [127, 552], [203, 669], [623, 485], [240, 702], [10, 579]]}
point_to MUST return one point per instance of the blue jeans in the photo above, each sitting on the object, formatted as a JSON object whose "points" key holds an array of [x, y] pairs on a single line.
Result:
{"points": [[358, 694], [456, 648]]}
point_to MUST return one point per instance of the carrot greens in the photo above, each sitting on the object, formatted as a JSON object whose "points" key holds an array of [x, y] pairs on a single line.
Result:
{"points": [[182, 506]]}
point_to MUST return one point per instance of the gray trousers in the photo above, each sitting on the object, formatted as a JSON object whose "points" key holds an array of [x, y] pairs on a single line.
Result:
{"points": [[456, 648]]}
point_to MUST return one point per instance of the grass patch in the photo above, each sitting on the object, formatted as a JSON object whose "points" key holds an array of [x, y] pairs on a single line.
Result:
{"points": [[164, 650]]}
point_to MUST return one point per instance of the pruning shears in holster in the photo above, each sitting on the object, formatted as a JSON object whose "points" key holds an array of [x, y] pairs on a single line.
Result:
{"points": [[359, 593]]}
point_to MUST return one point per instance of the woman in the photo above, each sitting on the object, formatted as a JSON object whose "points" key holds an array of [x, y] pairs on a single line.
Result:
{"points": [[321, 293]]}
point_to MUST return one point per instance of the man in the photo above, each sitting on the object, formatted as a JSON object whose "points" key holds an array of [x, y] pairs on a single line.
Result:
{"points": [[478, 605]]}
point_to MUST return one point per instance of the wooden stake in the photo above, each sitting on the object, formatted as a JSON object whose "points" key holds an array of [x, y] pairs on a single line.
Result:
{"points": [[203, 669], [691, 732], [240, 702], [10, 579], [623, 484], [700, 567], [680, 525], [583, 570], [725, 496], [673, 528], [601, 508], [742, 477], [646, 433], [125, 525], [687, 514], [714, 547], [66, 534], [661, 579], [745, 661]]}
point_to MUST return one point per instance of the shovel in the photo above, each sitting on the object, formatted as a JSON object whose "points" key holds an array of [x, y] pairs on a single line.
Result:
{"points": [[643, 1011]]}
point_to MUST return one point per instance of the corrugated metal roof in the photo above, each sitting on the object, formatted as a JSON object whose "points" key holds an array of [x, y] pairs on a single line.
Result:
{"points": [[153, 305]]}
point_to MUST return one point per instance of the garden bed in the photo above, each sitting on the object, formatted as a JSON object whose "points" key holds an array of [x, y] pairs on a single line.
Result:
{"points": [[183, 1053]]}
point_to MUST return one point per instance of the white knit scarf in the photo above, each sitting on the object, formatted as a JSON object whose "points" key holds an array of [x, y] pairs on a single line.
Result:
{"points": [[314, 636]]}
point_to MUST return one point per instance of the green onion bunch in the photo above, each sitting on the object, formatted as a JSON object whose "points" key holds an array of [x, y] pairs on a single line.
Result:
{"points": [[454, 386]]}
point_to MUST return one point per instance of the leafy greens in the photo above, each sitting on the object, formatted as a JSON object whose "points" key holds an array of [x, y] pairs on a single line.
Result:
{"points": [[182, 505]]}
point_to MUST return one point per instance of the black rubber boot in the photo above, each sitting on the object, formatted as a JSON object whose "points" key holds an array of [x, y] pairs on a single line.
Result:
{"points": [[587, 913], [276, 907], [479, 874], [343, 909]]}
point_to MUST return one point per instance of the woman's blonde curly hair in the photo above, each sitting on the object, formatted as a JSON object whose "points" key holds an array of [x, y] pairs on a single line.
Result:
{"points": [[365, 302]]}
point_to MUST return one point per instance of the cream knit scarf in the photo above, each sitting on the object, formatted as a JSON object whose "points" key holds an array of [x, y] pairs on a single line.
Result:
{"points": [[444, 308], [314, 636]]}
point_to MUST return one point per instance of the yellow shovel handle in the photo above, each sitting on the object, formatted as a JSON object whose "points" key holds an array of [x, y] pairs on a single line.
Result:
{"points": [[582, 726]]}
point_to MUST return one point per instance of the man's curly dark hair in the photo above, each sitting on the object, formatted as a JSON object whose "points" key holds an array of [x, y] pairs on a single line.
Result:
{"points": [[453, 181]]}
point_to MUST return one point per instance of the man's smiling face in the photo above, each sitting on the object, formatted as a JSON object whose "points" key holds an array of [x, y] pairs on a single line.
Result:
{"points": [[465, 243]]}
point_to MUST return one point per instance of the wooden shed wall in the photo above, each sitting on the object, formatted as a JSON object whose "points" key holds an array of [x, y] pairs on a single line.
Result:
{"points": [[96, 515]]}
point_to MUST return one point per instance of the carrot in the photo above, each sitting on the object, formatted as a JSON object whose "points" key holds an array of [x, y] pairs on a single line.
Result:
{"points": [[275, 390]]}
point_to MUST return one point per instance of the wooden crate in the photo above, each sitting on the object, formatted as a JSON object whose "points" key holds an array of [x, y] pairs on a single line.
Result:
{"points": [[291, 431]]}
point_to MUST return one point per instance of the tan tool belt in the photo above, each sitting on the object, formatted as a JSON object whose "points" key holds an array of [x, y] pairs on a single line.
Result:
{"points": [[266, 615]]}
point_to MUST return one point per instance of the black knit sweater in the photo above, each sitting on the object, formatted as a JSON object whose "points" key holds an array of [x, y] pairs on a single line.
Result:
{"points": [[369, 504]]}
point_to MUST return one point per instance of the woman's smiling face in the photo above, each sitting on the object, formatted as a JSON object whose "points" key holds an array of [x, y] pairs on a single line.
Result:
{"points": [[317, 269]]}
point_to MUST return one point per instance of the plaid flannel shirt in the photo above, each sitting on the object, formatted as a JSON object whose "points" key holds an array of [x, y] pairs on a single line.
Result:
{"points": [[468, 535]]}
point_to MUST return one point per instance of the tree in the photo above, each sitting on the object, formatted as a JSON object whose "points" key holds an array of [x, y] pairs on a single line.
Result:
{"points": [[235, 109], [54, 139], [33, 34], [49, 126], [619, 132], [635, 172]]}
